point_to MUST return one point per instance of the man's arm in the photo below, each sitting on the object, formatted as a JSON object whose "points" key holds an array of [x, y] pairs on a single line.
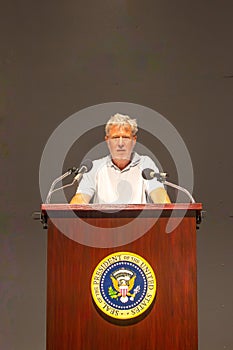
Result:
{"points": [[80, 198], [160, 196]]}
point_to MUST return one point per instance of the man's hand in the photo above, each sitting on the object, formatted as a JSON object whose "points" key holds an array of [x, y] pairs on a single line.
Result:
{"points": [[80, 198], [160, 196]]}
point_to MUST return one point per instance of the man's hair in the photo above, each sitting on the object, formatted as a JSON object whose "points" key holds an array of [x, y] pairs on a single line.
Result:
{"points": [[122, 120]]}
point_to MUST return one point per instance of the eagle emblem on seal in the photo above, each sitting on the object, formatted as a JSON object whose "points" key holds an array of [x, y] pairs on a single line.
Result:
{"points": [[123, 283]]}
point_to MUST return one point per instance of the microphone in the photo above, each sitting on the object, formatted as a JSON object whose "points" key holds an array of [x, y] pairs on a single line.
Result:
{"points": [[85, 166], [60, 178], [149, 174]]}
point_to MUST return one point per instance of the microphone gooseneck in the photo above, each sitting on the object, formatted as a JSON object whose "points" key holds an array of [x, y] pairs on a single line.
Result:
{"points": [[149, 174], [85, 166]]}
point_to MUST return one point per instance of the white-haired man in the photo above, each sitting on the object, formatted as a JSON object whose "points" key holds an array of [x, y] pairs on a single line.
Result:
{"points": [[117, 178]]}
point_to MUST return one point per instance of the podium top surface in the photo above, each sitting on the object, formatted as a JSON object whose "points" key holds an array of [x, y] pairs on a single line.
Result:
{"points": [[120, 207], [120, 210]]}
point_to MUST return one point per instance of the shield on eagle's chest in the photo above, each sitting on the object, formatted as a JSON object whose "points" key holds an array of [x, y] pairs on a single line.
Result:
{"points": [[124, 290]]}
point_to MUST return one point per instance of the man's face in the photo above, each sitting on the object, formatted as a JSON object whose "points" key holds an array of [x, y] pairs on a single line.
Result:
{"points": [[120, 142]]}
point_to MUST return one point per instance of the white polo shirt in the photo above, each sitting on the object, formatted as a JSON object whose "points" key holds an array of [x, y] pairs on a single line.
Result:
{"points": [[107, 184]]}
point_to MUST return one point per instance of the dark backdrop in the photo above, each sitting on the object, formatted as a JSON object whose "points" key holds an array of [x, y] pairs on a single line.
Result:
{"points": [[60, 57]]}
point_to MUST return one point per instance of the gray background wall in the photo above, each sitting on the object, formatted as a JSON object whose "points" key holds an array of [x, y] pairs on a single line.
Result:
{"points": [[60, 57]]}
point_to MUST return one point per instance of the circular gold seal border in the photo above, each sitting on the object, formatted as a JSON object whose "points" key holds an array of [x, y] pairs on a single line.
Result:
{"points": [[98, 273]]}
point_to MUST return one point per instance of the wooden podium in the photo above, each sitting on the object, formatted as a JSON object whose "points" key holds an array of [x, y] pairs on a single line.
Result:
{"points": [[80, 236]]}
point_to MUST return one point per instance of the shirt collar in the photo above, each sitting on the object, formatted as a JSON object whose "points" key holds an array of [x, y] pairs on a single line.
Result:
{"points": [[135, 159]]}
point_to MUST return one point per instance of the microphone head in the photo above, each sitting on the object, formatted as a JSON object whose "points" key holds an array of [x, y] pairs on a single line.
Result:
{"points": [[147, 174], [85, 166], [88, 164]]}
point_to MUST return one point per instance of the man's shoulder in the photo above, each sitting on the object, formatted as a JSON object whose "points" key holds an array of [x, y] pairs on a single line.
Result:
{"points": [[100, 162], [142, 158], [145, 161]]}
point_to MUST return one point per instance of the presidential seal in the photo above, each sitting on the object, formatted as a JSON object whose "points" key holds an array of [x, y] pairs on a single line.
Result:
{"points": [[123, 285]]}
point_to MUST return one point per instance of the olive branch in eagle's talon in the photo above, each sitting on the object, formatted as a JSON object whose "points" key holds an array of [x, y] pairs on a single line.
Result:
{"points": [[113, 293]]}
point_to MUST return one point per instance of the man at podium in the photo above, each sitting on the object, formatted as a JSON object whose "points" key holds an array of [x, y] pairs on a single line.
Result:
{"points": [[117, 178]]}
